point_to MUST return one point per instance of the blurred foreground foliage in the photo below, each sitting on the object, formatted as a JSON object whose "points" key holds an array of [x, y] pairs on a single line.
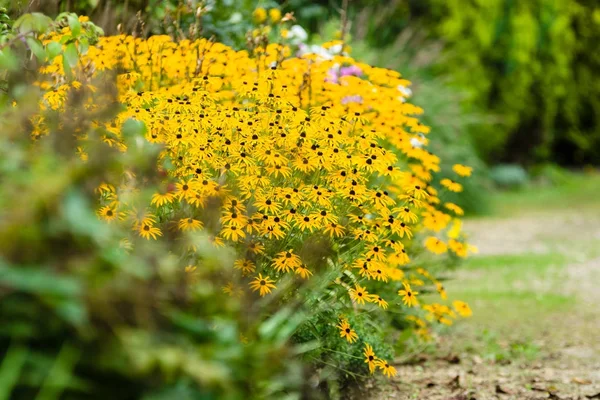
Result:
{"points": [[87, 314]]}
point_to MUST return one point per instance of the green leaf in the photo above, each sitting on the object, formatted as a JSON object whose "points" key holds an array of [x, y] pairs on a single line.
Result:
{"points": [[67, 68], [74, 24], [132, 128], [60, 374], [36, 48], [84, 45], [70, 55], [10, 370], [8, 60], [53, 49], [39, 280], [34, 22]]}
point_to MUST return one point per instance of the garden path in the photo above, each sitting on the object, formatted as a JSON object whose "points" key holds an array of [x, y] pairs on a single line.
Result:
{"points": [[535, 292]]}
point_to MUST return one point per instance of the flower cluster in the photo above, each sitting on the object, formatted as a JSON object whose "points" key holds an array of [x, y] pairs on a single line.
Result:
{"points": [[266, 152]]}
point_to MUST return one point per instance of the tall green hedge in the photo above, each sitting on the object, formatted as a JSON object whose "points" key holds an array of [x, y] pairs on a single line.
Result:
{"points": [[533, 65]]}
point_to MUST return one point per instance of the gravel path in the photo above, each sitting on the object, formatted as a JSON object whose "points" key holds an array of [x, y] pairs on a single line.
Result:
{"points": [[568, 365]]}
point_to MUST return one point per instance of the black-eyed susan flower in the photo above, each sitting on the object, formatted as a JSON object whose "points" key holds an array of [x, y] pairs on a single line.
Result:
{"points": [[462, 308], [347, 332], [270, 149], [387, 369], [451, 185], [246, 266], [107, 213], [233, 233], [379, 301], [462, 170], [263, 284], [370, 357], [435, 245], [286, 261], [149, 232], [454, 208], [189, 224], [160, 199], [303, 271], [409, 297], [359, 294]]}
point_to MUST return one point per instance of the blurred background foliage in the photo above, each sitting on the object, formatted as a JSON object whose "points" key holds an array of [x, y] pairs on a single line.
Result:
{"points": [[532, 66]]}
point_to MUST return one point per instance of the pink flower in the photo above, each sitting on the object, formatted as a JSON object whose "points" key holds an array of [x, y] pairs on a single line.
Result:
{"points": [[352, 70]]}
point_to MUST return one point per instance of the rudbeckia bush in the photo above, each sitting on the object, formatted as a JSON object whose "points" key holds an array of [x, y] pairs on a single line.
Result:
{"points": [[314, 168]]}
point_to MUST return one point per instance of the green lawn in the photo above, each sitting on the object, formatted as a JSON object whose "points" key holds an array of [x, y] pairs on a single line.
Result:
{"points": [[579, 190], [519, 299]]}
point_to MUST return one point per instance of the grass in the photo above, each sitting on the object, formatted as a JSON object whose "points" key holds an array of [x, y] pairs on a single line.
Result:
{"points": [[518, 298], [579, 190]]}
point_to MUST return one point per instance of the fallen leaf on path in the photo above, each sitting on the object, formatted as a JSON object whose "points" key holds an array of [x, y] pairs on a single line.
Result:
{"points": [[457, 382], [580, 381], [538, 387], [452, 358], [503, 390]]}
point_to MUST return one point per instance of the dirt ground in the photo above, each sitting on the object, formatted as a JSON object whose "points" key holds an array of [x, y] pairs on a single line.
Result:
{"points": [[564, 340]]}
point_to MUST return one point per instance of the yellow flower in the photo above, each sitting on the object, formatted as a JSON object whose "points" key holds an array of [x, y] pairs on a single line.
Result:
{"points": [[370, 357], [454, 208], [462, 170], [386, 368], [159, 199], [189, 224], [379, 300], [462, 308], [441, 290], [359, 294], [246, 266], [147, 231], [259, 15], [262, 284], [347, 332], [233, 233], [409, 297], [107, 213], [275, 15], [232, 290], [272, 149], [435, 245], [286, 261], [451, 185], [303, 271]]}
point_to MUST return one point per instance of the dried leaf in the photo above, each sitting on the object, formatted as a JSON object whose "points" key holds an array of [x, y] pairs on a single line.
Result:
{"points": [[503, 390], [581, 381]]}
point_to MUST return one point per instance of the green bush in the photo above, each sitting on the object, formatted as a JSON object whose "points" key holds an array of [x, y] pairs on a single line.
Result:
{"points": [[509, 176]]}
